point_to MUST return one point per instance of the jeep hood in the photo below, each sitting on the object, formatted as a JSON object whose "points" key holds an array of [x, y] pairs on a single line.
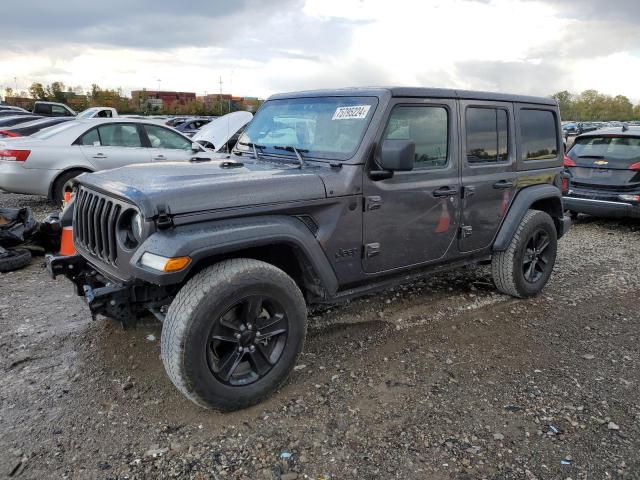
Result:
{"points": [[182, 188]]}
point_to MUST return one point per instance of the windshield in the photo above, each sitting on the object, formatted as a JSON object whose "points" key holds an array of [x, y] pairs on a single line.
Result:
{"points": [[51, 131], [623, 148], [324, 127], [88, 112]]}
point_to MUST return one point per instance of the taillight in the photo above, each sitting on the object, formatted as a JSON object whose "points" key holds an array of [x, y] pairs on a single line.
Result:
{"points": [[568, 162], [565, 185], [635, 166], [8, 133], [14, 155]]}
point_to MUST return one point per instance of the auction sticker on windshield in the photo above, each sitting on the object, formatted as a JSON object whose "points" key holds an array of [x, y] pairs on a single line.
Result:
{"points": [[353, 112]]}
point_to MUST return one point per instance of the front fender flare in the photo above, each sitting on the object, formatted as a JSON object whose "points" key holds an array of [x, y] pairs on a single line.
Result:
{"points": [[204, 240], [521, 203]]}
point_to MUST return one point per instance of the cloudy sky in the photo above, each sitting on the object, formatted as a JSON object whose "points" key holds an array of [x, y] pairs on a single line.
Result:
{"points": [[259, 47]]}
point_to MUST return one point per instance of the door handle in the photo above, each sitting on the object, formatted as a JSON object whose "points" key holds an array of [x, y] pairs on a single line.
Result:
{"points": [[159, 157], [503, 184], [445, 192], [99, 155]]}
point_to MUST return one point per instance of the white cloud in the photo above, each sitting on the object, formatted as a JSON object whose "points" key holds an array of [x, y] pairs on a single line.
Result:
{"points": [[534, 47]]}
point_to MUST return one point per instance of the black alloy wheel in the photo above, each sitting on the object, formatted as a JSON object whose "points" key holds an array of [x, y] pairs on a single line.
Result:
{"points": [[536, 258], [247, 340]]}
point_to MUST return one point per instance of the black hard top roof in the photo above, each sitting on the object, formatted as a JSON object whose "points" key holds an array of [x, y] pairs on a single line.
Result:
{"points": [[417, 92]]}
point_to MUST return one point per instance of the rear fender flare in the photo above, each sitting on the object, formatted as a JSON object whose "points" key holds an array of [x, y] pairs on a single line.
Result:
{"points": [[210, 239], [523, 201]]}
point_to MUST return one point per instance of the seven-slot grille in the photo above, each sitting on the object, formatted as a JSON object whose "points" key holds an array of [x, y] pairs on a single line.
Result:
{"points": [[95, 218]]}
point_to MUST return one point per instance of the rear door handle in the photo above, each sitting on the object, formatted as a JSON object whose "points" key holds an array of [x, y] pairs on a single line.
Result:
{"points": [[159, 157], [503, 184], [445, 192], [99, 155]]}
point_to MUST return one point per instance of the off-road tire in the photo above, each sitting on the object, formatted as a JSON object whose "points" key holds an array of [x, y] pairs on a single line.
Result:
{"points": [[507, 266], [17, 258], [200, 303], [57, 191]]}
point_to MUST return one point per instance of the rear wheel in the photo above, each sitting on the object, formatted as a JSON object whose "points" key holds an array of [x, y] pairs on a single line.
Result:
{"points": [[233, 333], [525, 267]]}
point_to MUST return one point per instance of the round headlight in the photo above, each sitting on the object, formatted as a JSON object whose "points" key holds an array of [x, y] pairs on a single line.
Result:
{"points": [[136, 226]]}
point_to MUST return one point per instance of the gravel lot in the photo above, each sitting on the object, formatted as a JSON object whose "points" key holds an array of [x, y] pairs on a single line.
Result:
{"points": [[440, 379]]}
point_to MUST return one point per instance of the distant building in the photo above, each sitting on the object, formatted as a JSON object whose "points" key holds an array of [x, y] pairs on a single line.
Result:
{"points": [[22, 102], [234, 102], [166, 97]]}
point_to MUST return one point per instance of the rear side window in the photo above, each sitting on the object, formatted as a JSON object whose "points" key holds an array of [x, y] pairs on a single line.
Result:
{"points": [[427, 127], [90, 138], [486, 135], [40, 108], [623, 148], [538, 135], [119, 135]]}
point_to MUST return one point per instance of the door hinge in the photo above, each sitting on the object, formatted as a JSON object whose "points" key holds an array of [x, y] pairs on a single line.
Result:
{"points": [[371, 250], [373, 202], [466, 231]]}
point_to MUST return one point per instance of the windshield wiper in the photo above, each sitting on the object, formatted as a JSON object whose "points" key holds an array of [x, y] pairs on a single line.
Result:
{"points": [[295, 150], [255, 148]]}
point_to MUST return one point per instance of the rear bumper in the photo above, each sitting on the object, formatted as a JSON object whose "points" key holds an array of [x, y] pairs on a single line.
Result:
{"points": [[15, 178], [601, 208]]}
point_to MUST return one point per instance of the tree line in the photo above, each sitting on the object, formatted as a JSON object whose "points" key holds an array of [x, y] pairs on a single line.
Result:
{"points": [[586, 106], [593, 105], [78, 99]]}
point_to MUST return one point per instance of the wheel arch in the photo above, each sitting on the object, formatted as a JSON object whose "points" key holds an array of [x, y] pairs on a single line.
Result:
{"points": [[283, 241], [78, 168], [546, 198]]}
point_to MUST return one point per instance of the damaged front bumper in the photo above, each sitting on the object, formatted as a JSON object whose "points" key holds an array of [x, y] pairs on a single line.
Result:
{"points": [[104, 296]]}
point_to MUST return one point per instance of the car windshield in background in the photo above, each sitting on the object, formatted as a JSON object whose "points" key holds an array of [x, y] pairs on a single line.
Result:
{"points": [[88, 112], [622, 148], [322, 127]]}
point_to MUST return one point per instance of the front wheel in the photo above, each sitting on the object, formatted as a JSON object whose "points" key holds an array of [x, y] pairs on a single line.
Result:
{"points": [[525, 267], [233, 333]]}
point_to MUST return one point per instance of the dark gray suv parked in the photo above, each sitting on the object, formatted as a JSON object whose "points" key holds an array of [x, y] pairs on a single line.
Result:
{"points": [[327, 195]]}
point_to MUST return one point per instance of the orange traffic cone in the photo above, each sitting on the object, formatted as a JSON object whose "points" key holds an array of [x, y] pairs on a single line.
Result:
{"points": [[66, 242]]}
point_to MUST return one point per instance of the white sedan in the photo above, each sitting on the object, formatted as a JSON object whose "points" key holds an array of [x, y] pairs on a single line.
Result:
{"points": [[43, 163]]}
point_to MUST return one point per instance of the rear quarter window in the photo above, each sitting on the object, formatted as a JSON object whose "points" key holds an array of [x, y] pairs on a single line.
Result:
{"points": [[538, 135]]}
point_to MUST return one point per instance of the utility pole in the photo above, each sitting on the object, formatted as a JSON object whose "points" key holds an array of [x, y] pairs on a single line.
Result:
{"points": [[220, 81], [15, 81], [230, 90]]}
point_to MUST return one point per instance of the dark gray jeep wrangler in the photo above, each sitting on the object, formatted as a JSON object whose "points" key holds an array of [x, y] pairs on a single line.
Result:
{"points": [[327, 195]]}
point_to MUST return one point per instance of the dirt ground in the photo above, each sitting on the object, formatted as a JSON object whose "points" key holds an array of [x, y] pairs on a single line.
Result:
{"points": [[440, 379]]}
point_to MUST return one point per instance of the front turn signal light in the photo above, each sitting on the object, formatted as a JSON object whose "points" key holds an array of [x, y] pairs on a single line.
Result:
{"points": [[164, 264]]}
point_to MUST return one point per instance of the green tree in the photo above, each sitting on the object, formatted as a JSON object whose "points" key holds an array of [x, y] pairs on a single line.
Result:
{"points": [[36, 90]]}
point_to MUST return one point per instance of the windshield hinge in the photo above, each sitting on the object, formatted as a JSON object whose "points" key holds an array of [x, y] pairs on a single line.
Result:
{"points": [[164, 221]]}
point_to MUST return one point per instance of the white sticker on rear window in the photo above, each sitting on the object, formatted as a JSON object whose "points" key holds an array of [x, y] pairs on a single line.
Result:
{"points": [[348, 113]]}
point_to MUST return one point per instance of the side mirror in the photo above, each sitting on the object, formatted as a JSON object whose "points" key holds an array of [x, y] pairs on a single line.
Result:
{"points": [[398, 155], [196, 147]]}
